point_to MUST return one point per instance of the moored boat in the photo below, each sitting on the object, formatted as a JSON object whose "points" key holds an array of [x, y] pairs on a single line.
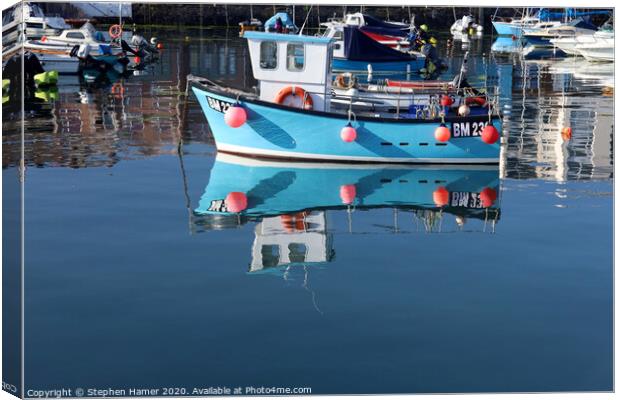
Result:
{"points": [[360, 53], [292, 116], [27, 21], [543, 37]]}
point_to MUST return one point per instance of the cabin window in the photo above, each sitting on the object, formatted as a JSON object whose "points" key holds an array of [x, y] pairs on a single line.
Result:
{"points": [[75, 35], [295, 57], [338, 35], [268, 55]]}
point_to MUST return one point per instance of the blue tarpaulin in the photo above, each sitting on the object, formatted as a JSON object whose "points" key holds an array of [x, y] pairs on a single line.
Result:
{"points": [[287, 23], [360, 47], [570, 13]]}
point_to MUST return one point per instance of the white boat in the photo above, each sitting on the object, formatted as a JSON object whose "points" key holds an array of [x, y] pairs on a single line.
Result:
{"points": [[465, 25], [568, 44], [70, 38], [28, 18], [543, 37], [602, 50]]}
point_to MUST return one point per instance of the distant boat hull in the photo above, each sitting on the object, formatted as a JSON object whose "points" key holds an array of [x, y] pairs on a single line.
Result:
{"points": [[276, 131]]}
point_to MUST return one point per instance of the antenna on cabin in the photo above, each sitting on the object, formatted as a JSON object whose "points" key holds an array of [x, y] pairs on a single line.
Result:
{"points": [[306, 20]]}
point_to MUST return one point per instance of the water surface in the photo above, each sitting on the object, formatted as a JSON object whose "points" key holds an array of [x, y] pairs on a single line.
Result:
{"points": [[130, 283]]}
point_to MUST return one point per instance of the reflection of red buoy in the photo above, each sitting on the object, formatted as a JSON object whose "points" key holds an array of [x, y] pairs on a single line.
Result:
{"points": [[441, 196], [348, 133], [446, 101], [235, 116], [442, 133], [348, 193], [489, 134], [487, 197], [567, 133], [236, 202]]}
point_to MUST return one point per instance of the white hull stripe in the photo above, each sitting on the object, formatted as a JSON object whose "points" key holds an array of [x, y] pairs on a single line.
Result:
{"points": [[231, 148]]}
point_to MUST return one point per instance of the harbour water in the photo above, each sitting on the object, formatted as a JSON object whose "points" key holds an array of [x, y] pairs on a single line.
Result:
{"points": [[130, 283]]}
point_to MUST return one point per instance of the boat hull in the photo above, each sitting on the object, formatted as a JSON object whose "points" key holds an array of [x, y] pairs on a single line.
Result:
{"points": [[507, 29], [400, 67], [597, 54], [282, 132]]}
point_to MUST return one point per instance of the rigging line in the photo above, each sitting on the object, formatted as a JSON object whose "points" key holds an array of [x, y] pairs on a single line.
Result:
{"points": [[312, 292], [306, 20]]}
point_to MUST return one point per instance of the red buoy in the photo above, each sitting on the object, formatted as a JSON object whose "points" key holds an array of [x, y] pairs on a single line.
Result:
{"points": [[235, 116], [236, 202], [441, 196], [489, 134], [442, 133], [446, 100], [136, 60], [348, 193], [567, 133], [160, 46], [348, 133], [488, 197], [514, 37]]}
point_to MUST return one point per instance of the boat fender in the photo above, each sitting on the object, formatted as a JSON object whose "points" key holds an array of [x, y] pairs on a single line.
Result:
{"points": [[295, 91], [489, 134], [348, 134], [442, 133]]}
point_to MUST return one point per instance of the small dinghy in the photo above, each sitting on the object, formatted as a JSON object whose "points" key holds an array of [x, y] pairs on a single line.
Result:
{"points": [[292, 116]]}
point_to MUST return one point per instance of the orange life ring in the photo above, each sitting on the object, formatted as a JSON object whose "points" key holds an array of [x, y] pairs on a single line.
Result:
{"points": [[295, 91], [480, 100], [115, 31]]}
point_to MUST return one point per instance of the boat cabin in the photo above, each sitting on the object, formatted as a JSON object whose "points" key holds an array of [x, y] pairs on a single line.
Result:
{"points": [[287, 63]]}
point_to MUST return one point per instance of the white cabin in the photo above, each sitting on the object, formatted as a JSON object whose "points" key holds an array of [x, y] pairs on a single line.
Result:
{"points": [[280, 241], [281, 60]]}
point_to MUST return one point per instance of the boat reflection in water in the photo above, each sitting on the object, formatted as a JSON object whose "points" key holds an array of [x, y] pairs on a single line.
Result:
{"points": [[289, 202]]}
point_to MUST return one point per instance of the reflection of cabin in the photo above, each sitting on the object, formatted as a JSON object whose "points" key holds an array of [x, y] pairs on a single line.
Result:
{"points": [[291, 238]]}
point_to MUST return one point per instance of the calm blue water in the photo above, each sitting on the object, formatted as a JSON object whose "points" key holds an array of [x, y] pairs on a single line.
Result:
{"points": [[128, 284]]}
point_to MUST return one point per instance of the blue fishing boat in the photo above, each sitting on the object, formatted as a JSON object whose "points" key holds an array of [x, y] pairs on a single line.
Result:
{"points": [[268, 188], [292, 118]]}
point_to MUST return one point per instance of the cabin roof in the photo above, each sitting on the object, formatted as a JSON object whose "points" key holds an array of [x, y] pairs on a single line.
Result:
{"points": [[282, 37]]}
